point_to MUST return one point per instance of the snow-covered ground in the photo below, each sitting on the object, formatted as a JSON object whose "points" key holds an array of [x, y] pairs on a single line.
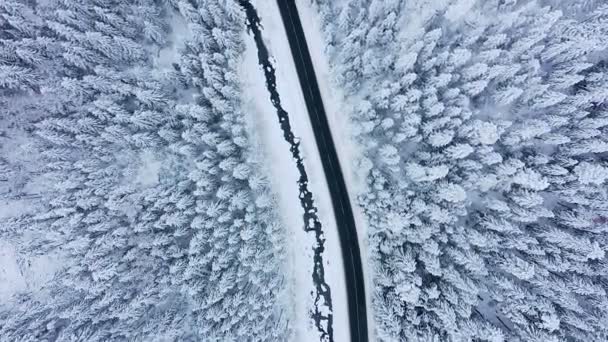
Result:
{"points": [[337, 110], [266, 134], [28, 276], [11, 279], [22, 190], [284, 175]]}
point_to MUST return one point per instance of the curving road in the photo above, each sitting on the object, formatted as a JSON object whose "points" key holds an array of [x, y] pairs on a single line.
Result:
{"points": [[339, 196]]}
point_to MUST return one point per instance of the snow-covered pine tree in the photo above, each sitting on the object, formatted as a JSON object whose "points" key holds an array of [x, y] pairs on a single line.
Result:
{"points": [[155, 203], [484, 126]]}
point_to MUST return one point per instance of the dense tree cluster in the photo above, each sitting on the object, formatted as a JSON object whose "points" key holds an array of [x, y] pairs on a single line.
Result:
{"points": [[156, 203], [484, 126]]}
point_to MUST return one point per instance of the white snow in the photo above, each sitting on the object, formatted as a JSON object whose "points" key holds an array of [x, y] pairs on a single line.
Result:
{"points": [[15, 207], [30, 276], [337, 109], [458, 9], [22, 188], [284, 175], [147, 174], [588, 173], [488, 133], [266, 136], [11, 278], [487, 308], [170, 54]]}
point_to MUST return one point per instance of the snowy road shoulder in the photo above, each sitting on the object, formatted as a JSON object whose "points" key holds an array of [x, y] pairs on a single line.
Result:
{"points": [[293, 102], [283, 174]]}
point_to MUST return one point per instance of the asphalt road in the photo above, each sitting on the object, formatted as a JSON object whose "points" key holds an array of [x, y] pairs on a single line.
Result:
{"points": [[339, 196]]}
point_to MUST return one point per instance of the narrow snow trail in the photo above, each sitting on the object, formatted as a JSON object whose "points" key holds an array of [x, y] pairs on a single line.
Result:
{"points": [[322, 310]]}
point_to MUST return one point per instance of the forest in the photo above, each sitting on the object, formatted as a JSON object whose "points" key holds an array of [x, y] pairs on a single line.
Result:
{"points": [[137, 175], [138, 206], [484, 130]]}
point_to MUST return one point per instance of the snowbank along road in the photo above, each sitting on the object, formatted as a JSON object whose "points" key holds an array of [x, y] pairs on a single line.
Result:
{"points": [[323, 311], [342, 209]]}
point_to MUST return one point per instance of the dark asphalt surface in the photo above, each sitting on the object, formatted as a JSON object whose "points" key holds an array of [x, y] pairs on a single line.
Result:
{"points": [[335, 180]]}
